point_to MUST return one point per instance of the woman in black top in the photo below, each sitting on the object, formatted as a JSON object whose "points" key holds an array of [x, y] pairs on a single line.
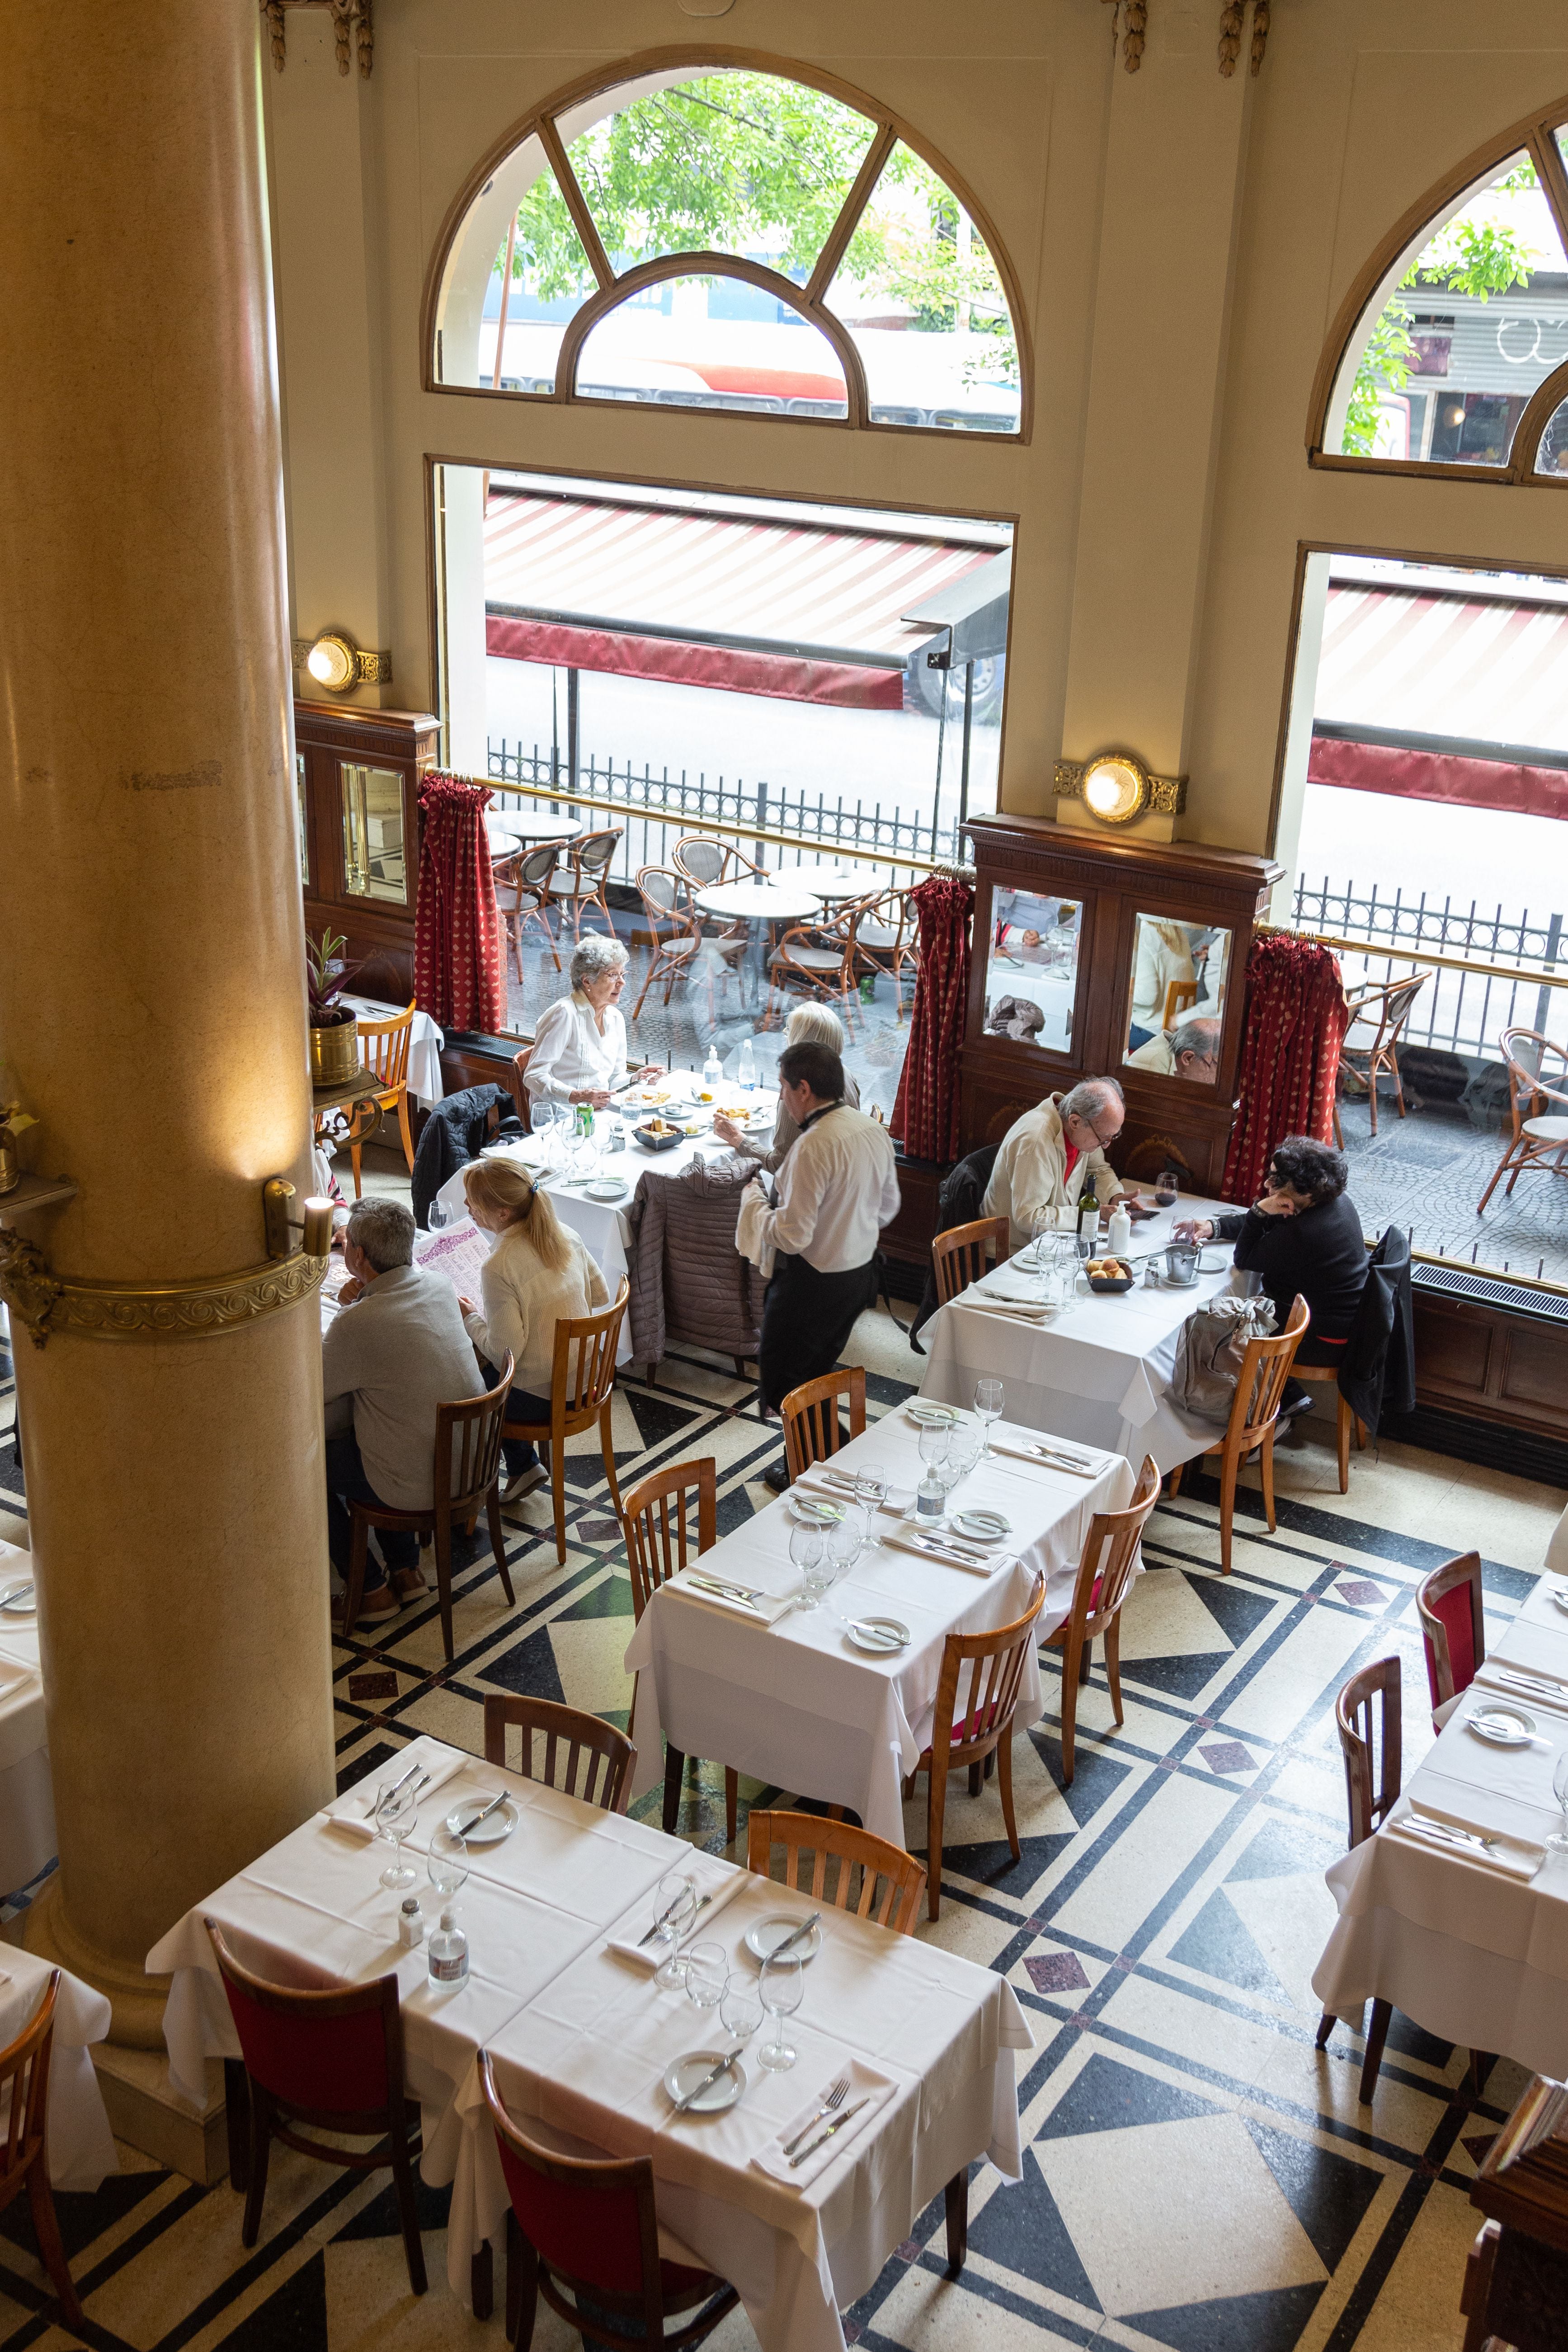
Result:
{"points": [[1302, 1235]]}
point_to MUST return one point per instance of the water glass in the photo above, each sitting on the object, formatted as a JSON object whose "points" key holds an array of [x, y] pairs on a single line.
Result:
{"points": [[1558, 1841], [395, 1811], [740, 2006], [438, 1214], [989, 1399], [674, 1909], [808, 1550], [781, 1984], [447, 1864], [706, 1966], [848, 1539], [1042, 1226]]}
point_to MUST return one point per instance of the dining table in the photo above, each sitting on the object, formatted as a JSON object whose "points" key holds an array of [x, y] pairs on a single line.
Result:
{"points": [[82, 2144], [1099, 1367], [834, 884], [790, 1698], [512, 829], [1456, 1910], [761, 901], [28, 1840]]}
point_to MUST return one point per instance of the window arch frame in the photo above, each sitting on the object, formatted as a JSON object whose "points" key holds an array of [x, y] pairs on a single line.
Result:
{"points": [[888, 128], [1533, 132]]}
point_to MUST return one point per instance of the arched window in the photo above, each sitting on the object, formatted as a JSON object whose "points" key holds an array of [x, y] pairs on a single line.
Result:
{"points": [[715, 236], [1450, 353]]}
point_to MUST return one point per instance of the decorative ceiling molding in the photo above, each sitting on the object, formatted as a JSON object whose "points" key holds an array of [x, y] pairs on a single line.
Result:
{"points": [[350, 17], [1130, 26]]}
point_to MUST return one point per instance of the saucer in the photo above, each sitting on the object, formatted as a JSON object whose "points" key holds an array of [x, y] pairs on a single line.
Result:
{"points": [[1501, 1727], [681, 2079]]}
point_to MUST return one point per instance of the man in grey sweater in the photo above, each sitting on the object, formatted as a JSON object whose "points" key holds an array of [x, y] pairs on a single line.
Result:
{"points": [[392, 1353]]}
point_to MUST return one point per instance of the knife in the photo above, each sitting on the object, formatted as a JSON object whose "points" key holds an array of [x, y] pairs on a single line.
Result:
{"points": [[482, 1815], [1536, 1684], [823, 2137], [731, 1591], [804, 1929], [1447, 1834], [380, 1796], [708, 2080]]}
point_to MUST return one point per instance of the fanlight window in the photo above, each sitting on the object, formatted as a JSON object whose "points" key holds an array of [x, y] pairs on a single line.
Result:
{"points": [[723, 238], [1452, 358]]}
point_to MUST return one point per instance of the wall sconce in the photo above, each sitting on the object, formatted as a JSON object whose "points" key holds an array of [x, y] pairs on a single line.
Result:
{"points": [[315, 1227], [1116, 788], [334, 661]]}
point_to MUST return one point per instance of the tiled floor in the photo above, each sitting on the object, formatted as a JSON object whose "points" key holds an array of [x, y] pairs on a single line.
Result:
{"points": [[1196, 2175], [1426, 1172]]}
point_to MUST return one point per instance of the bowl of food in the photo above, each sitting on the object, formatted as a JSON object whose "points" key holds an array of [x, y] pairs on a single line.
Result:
{"points": [[658, 1134], [1108, 1275]]}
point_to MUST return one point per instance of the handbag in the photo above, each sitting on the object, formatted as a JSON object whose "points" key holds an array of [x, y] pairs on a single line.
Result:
{"points": [[1211, 1351]]}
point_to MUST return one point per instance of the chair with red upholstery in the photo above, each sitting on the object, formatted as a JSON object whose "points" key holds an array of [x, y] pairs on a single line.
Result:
{"points": [[1448, 1603], [586, 2228], [333, 2060], [1104, 1579]]}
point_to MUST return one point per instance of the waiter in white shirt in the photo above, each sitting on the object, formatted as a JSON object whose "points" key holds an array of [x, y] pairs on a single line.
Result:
{"points": [[836, 1189]]}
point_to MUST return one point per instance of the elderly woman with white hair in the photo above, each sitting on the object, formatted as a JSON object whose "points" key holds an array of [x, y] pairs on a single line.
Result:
{"points": [[808, 1025], [580, 1045]]}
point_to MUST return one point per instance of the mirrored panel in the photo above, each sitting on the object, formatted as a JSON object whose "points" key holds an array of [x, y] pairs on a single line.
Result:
{"points": [[1031, 973], [372, 833], [1178, 998]]}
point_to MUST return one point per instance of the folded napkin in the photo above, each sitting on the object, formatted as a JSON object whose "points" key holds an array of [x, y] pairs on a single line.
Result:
{"points": [[1515, 1857], [896, 1497], [1025, 1298], [353, 1815], [1087, 1455], [1044, 1457], [933, 1547], [765, 1609], [718, 1889], [1040, 1313], [869, 2091]]}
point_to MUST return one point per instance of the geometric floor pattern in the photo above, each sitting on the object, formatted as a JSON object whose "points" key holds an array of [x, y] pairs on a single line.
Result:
{"points": [[1197, 2175]]}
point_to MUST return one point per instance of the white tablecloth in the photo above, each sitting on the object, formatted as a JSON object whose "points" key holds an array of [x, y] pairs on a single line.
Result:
{"points": [[1474, 1957], [26, 1793], [586, 2056], [1100, 1371], [796, 1704], [425, 1043], [81, 2146]]}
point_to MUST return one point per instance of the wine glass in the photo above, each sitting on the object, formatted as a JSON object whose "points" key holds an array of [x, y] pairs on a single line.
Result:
{"points": [[447, 1864], [970, 1441], [395, 1811], [935, 1438], [1558, 1841], [439, 1215], [781, 1984], [848, 1539], [808, 1550], [1041, 1223], [740, 2005], [674, 1909], [989, 1399], [1167, 1187], [707, 1965]]}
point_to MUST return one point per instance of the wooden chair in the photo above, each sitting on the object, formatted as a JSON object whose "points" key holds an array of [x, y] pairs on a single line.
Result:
{"points": [[675, 934], [887, 938], [466, 1475], [810, 1417], [588, 863], [1540, 1138], [1104, 1579], [971, 1730], [1265, 1368], [1179, 995], [332, 2060], [1453, 1627], [821, 956], [879, 1864], [522, 896], [586, 2229], [582, 1385], [605, 1754], [518, 1084], [1382, 1008], [24, 2151], [963, 1253], [1317, 1375], [384, 1050], [670, 1520]]}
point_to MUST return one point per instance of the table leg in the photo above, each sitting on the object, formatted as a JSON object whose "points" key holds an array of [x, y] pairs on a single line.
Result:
{"points": [[236, 2114], [956, 2195], [482, 2282]]}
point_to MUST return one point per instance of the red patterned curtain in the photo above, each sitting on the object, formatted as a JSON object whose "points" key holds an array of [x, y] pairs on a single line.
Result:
{"points": [[925, 1113], [460, 964], [1293, 1023]]}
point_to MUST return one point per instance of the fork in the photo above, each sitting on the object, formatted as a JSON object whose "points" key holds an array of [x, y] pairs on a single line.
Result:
{"points": [[833, 2100]]}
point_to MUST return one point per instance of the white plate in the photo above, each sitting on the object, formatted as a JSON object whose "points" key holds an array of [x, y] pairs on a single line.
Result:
{"points": [[19, 1601], [764, 1936], [930, 1416], [500, 1824], [814, 1510], [607, 1187], [1500, 1726], [1562, 1599], [683, 2076], [874, 1648], [981, 1524]]}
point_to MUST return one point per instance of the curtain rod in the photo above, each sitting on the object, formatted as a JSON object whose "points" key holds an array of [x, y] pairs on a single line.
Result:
{"points": [[1380, 953], [683, 818]]}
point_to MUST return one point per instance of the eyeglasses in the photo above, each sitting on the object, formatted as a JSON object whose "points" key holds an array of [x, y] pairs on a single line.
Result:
{"points": [[1104, 1141]]}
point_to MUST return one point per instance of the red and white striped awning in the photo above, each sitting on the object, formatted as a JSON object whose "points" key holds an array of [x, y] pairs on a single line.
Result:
{"points": [[795, 610]]}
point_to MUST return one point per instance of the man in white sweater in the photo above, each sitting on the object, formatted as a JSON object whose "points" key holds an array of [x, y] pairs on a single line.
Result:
{"points": [[838, 1188], [1050, 1155]]}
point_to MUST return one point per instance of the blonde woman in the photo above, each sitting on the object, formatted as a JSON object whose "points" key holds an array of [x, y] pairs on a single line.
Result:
{"points": [[536, 1274], [808, 1025]]}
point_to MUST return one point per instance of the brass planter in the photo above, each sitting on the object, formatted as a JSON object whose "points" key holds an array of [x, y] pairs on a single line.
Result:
{"points": [[334, 1054]]}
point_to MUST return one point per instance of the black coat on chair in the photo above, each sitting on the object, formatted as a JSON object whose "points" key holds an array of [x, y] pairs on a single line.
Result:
{"points": [[1378, 1375], [456, 1132]]}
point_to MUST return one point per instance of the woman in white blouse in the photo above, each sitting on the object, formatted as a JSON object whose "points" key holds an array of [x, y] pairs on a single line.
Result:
{"points": [[537, 1272], [580, 1045]]}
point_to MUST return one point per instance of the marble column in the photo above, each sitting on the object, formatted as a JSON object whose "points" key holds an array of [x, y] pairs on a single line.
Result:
{"points": [[152, 1002]]}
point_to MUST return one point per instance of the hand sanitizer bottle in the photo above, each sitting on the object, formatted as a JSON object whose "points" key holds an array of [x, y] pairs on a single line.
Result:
{"points": [[713, 1076], [1120, 1231], [448, 1950]]}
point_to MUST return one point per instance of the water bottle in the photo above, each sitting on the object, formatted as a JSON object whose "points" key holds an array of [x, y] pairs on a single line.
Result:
{"points": [[746, 1066], [930, 1495], [712, 1074], [449, 1952]]}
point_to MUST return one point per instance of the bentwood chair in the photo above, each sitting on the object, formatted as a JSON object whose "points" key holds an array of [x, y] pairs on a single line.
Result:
{"points": [[972, 1723], [810, 1416], [864, 1863], [384, 1050], [1453, 1628], [1104, 1579], [24, 2148], [674, 933], [820, 956], [522, 896], [706, 862], [584, 2233], [582, 1389], [466, 1481], [577, 1747], [963, 1253], [1537, 1076], [1254, 1416], [332, 2060], [670, 1520], [1367, 1716], [1379, 1010], [582, 884], [887, 940]]}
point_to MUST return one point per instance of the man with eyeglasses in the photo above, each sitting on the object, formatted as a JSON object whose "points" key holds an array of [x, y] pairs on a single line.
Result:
{"points": [[1049, 1155], [1191, 1050]]}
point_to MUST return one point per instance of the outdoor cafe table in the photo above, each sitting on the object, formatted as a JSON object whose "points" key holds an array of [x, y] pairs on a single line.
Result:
{"points": [[510, 828], [1474, 1954], [833, 883], [27, 1843], [770, 898], [1098, 1370], [794, 1704], [81, 2146], [583, 2062]]}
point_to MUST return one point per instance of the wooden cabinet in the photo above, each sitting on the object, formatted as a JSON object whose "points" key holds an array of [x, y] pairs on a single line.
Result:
{"points": [[356, 779], [1088, 948]]}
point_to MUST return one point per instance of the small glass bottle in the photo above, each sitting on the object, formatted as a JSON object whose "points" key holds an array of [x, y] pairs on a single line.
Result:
{"points": [[449, 1952], [410, 1924], [930, 1495]]}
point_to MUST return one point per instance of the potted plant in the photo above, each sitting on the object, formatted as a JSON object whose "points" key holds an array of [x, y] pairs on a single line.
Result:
{"points": [[334, 1030]]}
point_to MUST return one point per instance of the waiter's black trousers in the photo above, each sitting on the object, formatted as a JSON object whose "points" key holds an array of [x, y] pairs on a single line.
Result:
{"points": [[806, 1320]]}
